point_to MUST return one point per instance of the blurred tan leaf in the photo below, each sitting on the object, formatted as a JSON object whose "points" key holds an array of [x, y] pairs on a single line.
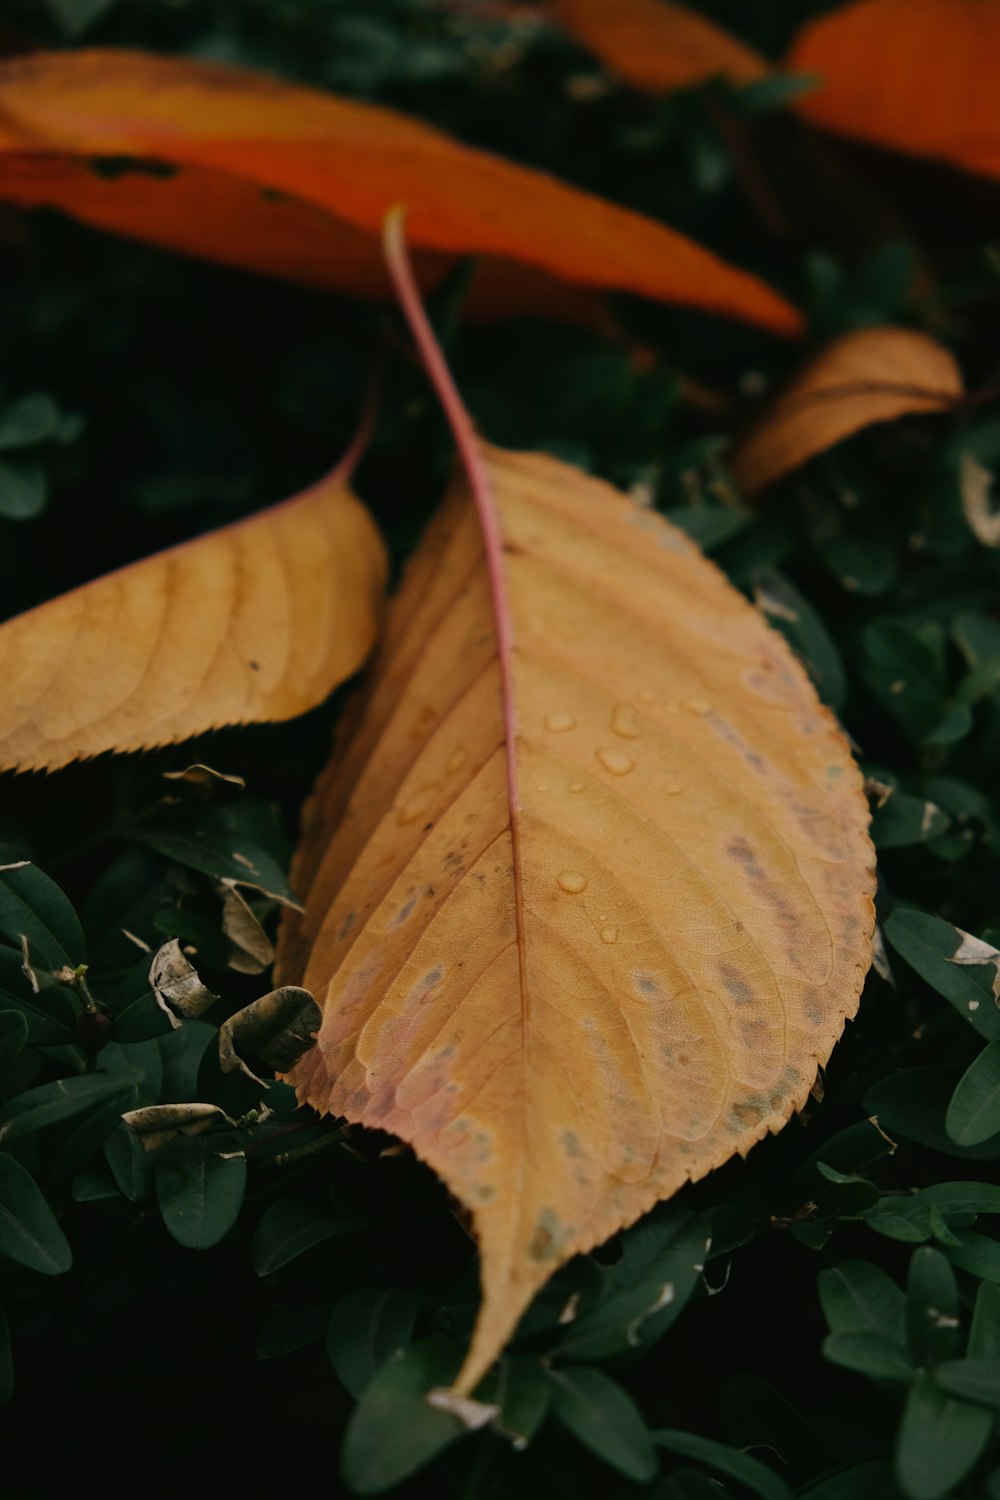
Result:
{"points": [[260, 620], [873, 375], [589, 882], [918, 76], [656, 46]]}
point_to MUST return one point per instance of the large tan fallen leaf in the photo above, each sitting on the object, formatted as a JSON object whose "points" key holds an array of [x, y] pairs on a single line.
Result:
{"points": [[259, 620], [918, 76], [873, 375], [657, 46], [588, 881], [237, 166]]}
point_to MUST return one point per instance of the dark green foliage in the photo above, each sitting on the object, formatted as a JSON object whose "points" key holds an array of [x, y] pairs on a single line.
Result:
{"points": [[144, 399]]}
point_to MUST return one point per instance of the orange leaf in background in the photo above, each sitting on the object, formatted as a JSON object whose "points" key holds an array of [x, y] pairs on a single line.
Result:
{"points": [[257, 621], [581, 943], [351, 160], [918, 76], [656, 46], [873, 375]]}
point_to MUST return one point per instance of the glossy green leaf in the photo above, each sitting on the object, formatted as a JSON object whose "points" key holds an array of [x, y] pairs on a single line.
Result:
{"points": [[52, 1102], [199, 1192], [129, 1162], [974, 1112], [976, 1380], [524, 1394], [870, 1354], [220, 842], [730, 1462], [606, 1420], [662, 1259], [367, 1327], [928, 944], [913, 1103], [905, 675], [13, 1036], [908, 1218], [29, 1231], [904, 820], [976, 1253], [395, 1430], [293, 1225], [858, 1297], [933, 1329], [33, 906], [939, 1440], [74, 1145], [791, 613], [984, 1334]]}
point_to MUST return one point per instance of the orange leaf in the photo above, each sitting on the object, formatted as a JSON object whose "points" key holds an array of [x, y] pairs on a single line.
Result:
{"points": [[259, 620], [353, 161], [656, 46], [919, 76], [873, 375]]}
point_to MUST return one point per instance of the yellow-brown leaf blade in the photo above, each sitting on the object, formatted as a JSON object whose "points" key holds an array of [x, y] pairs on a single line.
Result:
{"points": [[570, 1012], [259, 620], [872, 375]]}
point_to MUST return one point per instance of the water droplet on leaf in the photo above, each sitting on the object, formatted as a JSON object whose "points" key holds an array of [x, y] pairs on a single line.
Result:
{"points": [[615, 761]]}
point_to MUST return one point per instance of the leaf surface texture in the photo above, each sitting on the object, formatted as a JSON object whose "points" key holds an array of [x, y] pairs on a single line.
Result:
{"points": [[578, 975], [259, 620]]}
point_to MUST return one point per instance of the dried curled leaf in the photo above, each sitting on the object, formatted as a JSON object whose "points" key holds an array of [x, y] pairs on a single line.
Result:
{"points": [[157, 1124], [589, 884], [176, 984], [873, 375], [656, 46], [244, 168], [915, 75], [259, 620], [278, 1028], [250, 946], [972, 950]]}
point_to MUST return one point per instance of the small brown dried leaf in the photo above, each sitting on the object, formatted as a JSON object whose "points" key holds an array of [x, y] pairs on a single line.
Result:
{"points": [[157, 1124], [252, 950], [277, 1030], [175, 983]]}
